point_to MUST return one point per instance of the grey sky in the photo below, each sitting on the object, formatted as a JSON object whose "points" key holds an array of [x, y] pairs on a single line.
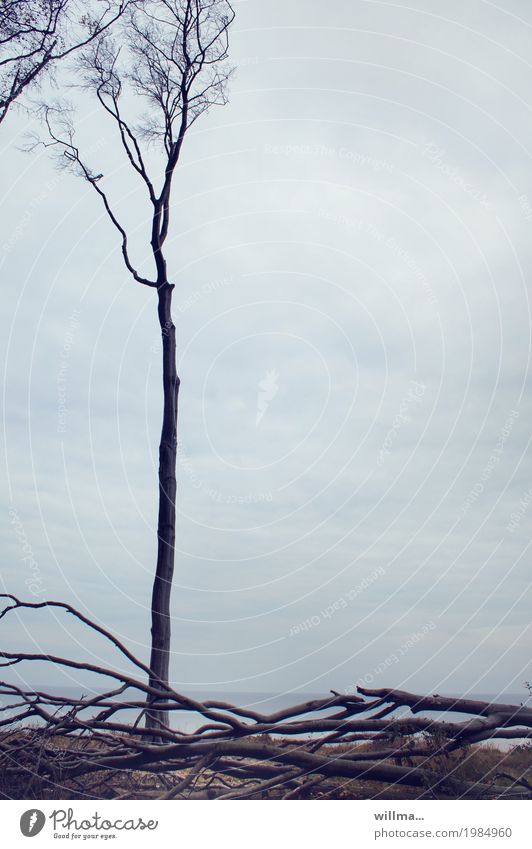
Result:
{"points": [[351, 246]]}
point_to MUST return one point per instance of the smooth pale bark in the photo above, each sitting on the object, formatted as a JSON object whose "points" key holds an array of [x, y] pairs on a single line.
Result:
{"points": [[162, 586]]}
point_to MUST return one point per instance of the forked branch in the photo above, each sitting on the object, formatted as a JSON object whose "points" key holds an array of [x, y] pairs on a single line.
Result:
{"points": [[234, 752]]}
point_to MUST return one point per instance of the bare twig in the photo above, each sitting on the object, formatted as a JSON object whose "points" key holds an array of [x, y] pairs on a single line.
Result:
{"points": [[240, 753]]}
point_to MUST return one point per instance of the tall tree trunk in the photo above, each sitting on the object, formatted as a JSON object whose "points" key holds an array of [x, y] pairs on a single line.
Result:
{"points": [[162, 586]]}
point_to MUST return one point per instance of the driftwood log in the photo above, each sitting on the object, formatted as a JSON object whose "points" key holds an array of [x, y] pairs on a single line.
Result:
{"points": [[308, 749]]}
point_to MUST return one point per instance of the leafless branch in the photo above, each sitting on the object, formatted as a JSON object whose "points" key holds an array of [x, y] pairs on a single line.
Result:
{"points": [[36, 34], [240, 753]]}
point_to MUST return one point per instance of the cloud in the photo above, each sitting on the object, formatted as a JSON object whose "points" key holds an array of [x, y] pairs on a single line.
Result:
{"points": [[354, 220]]}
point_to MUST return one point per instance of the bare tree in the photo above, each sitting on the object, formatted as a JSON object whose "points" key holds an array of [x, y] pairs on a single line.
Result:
{"points": [[171, 54], [35, 34]]}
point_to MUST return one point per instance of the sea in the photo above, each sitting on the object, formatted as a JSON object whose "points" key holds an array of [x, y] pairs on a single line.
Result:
{"points": [[269, 702]]}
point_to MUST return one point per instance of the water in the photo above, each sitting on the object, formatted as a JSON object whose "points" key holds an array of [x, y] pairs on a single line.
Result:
{"points": [[271, 702], [267, 702]]}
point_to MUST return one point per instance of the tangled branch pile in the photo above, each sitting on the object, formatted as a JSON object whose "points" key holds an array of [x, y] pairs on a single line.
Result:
{"points": [[60, 747]]}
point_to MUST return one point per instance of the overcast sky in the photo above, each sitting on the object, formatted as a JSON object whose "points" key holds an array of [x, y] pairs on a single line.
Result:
{"points": [[351, 245]]}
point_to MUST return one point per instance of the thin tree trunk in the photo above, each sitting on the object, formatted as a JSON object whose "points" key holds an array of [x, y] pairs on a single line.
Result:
{"points": [[162, 586]]}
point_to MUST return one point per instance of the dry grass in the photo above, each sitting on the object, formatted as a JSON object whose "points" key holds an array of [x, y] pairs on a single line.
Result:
{"points": [[21, 778]]}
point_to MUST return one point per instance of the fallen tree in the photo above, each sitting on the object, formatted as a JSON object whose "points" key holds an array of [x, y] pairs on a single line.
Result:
{"points": [[79, 745]]}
